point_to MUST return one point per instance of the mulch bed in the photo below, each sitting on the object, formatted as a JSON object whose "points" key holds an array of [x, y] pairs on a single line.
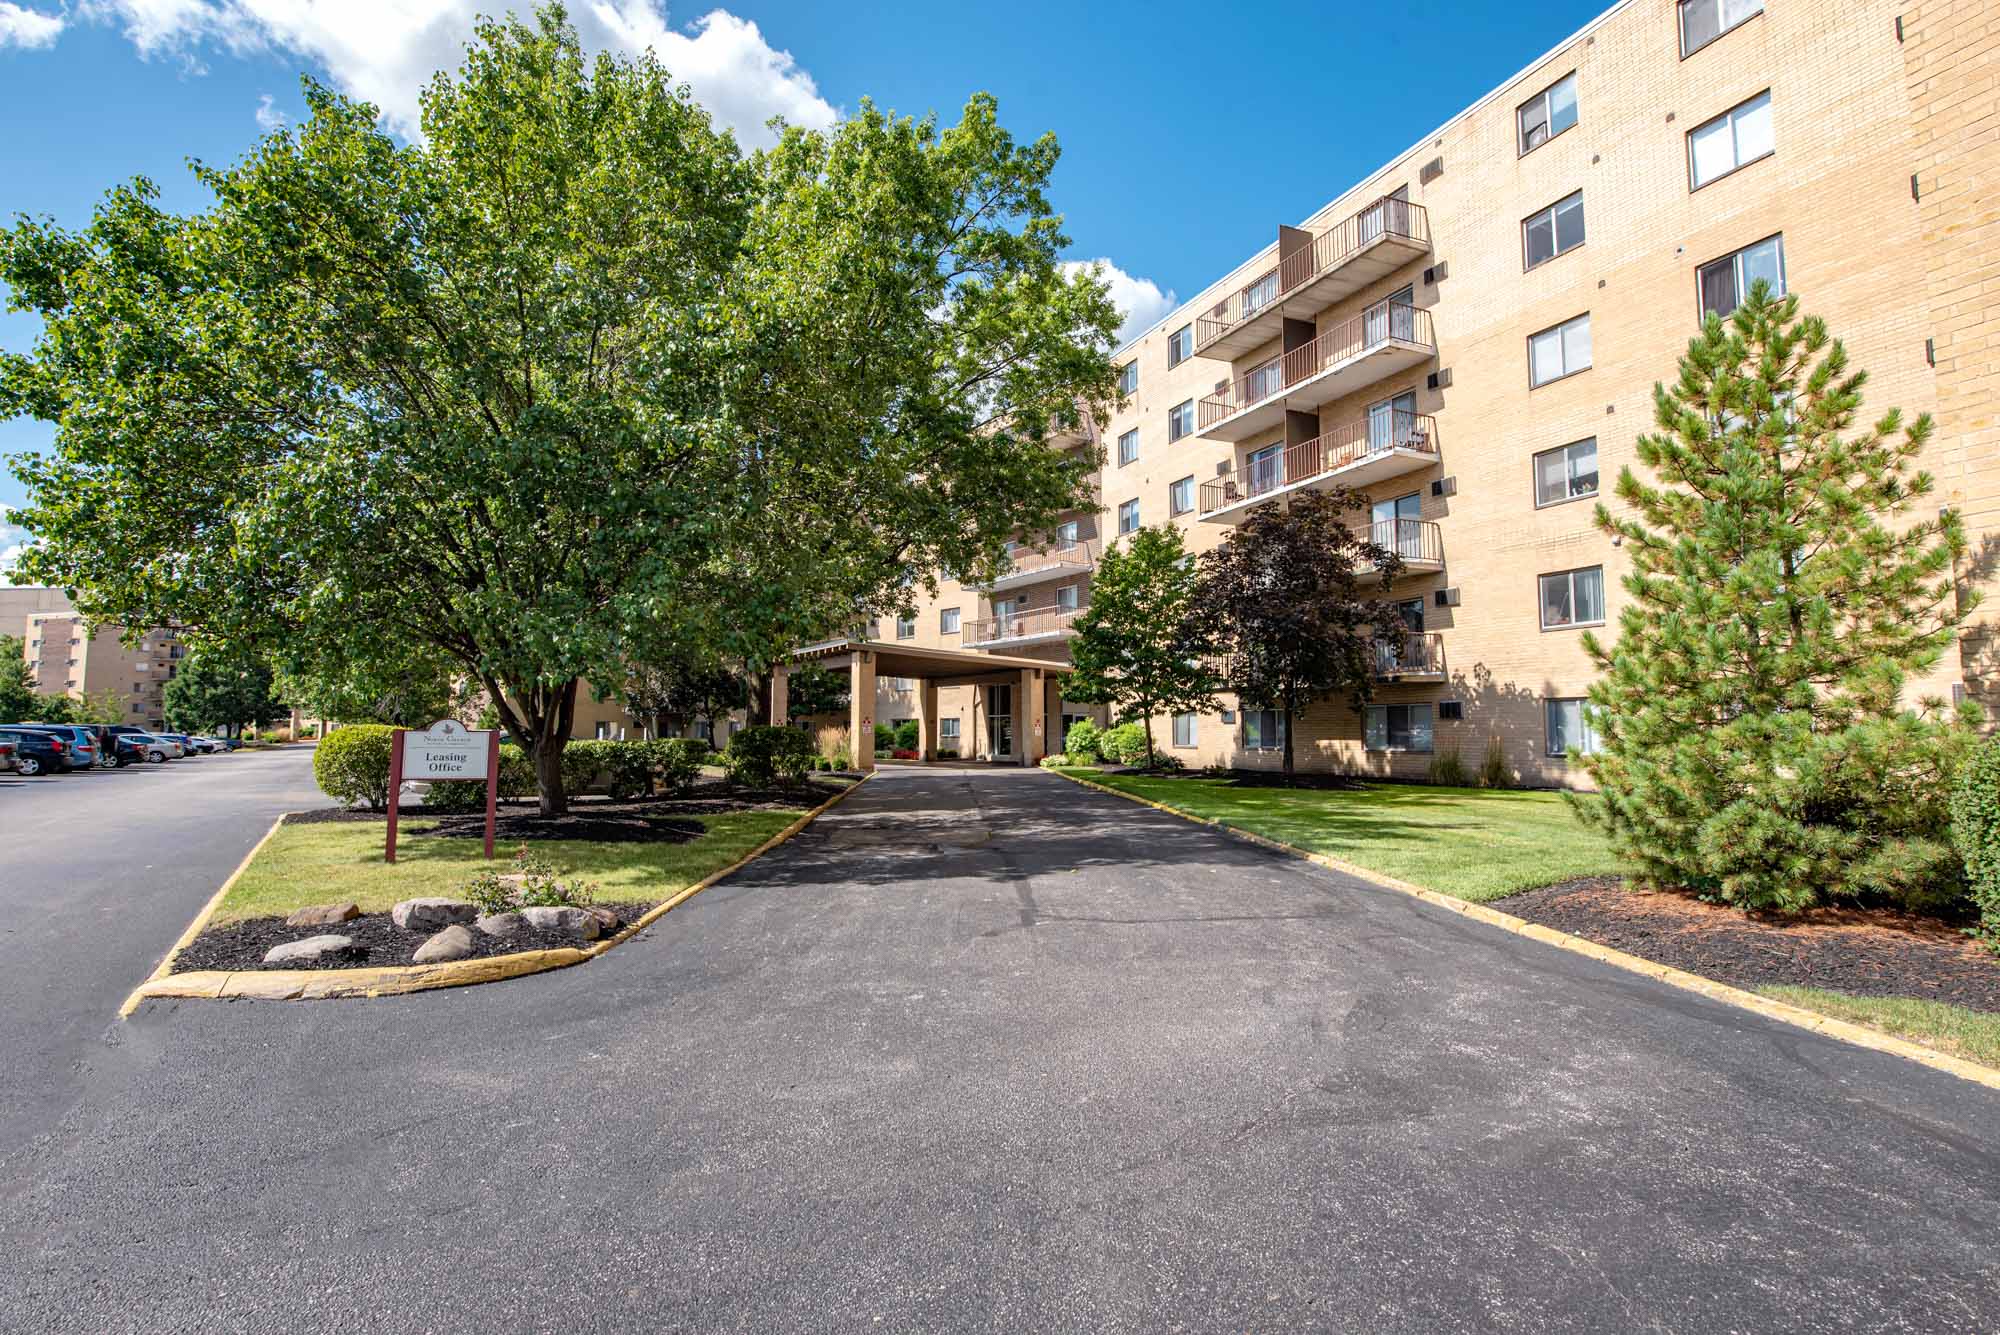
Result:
{"points": [[595, 824], [1864, 952], [594, 817], [242, 945]]}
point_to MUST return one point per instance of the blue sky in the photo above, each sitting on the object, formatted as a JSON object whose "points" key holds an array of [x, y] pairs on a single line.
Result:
{"points": [[1188, 131]]}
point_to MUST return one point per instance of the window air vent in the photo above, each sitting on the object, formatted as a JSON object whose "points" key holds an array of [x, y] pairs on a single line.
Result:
{"points": [[1431, 171], [1447, 597], [1440, 379], [1445, 486]]}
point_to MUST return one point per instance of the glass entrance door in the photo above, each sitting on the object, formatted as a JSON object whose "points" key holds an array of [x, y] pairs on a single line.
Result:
{"points": [[1396, 526], [999, 722]]}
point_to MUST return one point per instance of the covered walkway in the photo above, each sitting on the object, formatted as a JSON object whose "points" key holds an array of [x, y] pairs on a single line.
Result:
{"points": [[1033, 690]]}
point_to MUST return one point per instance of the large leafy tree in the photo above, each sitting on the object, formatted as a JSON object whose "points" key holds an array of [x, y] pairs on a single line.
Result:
{"points": [[1787, 581], [409, 689], [1137, 645], [17, 688], [814, 690], [566, 384], [686, 688], [221, 689], [1295, 604]]}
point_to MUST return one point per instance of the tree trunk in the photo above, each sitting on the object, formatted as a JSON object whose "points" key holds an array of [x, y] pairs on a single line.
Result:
{"points": [[1288, 739], [1149, 737], [760, 699], [548, 773]]}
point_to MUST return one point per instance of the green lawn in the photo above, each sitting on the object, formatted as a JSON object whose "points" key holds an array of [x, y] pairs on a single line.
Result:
{"points": [[333, 863], [1973, 1035], [1473, 843]]}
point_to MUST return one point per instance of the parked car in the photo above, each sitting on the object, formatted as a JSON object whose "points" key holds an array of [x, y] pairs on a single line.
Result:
{"points": [[207, 746], [83, 740], [36, 751], [230, 743], [153, 749], [6, 758], [127, 748], [180, 739]]}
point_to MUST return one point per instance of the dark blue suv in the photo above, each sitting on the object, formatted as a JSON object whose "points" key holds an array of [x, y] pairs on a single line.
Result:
{"points": [[37, 751]]}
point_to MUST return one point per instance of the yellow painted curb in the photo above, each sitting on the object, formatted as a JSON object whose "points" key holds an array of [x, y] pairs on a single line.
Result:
{"points": [[396, 979], [1769, 1008]]}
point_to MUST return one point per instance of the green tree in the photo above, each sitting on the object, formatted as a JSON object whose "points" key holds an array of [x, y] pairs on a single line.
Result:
{"points": [[408, 689], [1754, 744], [216, 689], [17, 688], [1136, 646], [1294, 604], [569, 382], [684, 688], [814, 690]]}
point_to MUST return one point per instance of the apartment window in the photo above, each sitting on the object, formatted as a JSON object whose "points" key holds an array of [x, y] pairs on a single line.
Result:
{"points": [[1397, 728], [1569, 726], [1264, 381], [1556, 230], [906, 628], [1183, 730], [948, 621], [1128, 517], [1180, 420], [1066, 536], [1128, 377], [1260, 294], [1567, 473], [947, 730], [1573, 598], [1066, 598], [1724, 283], [1263, 730], [605, 733], [1180, 345], [1563, 350], [1548, 113], [1180, 496], [1128, 447], [1702, 21], [1736, 138]]}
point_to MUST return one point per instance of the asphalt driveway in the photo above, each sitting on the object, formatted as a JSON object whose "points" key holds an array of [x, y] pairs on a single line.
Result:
{"points": [[985, 1050]]}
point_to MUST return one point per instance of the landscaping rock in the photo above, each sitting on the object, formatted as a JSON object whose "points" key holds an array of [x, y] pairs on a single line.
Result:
{"points": [[607, 921], [453, 943], [574, 922], [427, 915], [323, 915], [499, 924], [311, 949]]}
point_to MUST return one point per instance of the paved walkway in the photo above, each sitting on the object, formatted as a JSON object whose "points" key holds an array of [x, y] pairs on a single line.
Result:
{"points": [[987, 1051]]}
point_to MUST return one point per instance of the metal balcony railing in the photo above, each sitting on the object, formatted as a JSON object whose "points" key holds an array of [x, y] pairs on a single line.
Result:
{"points": [[1021, 625], [1078, 555], [1415, 654], [1348, 443], [1416, 541], [1330, 249], [1384, 322]]}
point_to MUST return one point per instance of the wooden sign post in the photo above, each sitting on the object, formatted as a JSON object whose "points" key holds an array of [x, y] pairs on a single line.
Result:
{"points": [[445, 750]]}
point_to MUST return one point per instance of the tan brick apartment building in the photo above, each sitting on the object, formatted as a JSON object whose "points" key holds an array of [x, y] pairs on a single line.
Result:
{"points": [[1472, 334], [65, 658]]}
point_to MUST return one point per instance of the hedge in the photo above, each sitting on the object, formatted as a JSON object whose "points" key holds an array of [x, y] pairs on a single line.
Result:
{"points": [[1975, 833], [755, 757], [351, 765]]}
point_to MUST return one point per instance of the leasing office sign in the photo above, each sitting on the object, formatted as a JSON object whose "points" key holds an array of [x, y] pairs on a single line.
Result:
{"points": [[445, 750]]}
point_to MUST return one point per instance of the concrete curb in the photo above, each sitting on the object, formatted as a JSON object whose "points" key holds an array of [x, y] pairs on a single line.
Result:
{"points": [[1785, 1012], [394, 980]]}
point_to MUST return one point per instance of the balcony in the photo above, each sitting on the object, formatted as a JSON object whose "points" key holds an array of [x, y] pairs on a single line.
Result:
{"points": [[1334, 265], [1032, 567], [1415, 656], [1036, 626], [1366, 450], [1417, 541], [1388, 337]]}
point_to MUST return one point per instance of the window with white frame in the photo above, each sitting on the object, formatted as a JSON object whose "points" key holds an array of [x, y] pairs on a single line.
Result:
{"points": [[1547, 114], [948, 730], [1736, 138], [1066, 538], [1725, 283], [1180, 420], [1569, 726], [1183, 730], [1263, 730], [1128, 377], [1558, 352], [1180, 496], [906, 627], [1554, 231], [948, 621], [1573, 598], [1180, 345], [1128, 446], [1066, 597], [1128, 517], [1397, 728], [1702, 21], [1566, 473]]}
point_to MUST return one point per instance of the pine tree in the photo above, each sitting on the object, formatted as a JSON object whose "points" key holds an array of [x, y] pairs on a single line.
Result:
{"points": [[1754, 742], [1132, 649]]}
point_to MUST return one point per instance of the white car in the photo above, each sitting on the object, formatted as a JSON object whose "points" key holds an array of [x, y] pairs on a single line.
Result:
{"points": [[158, 750]]}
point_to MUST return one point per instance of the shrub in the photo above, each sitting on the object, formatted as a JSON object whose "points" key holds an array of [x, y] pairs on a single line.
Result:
{"points": [[906, 735], [1124, 744], [757, 756], [352, 765], [537, 886], [456, 796], [903, 753], [582, 762], [678, 760], [629, 768], [1448, 769], [1085, 743], [1493, 770], [1163, 761], [1975, 832], [947, 753], [1056, 761], [885, 737]]}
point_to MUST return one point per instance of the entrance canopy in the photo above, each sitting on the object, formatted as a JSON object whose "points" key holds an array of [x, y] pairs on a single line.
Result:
{"points": [[1036, 679]]}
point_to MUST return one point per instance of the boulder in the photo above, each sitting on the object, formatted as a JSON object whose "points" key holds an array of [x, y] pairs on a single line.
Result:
{"points": [[607, 921], [311, 950], [427, 915], [323, 915], [571, 922], [453, 943], [498, 924]]}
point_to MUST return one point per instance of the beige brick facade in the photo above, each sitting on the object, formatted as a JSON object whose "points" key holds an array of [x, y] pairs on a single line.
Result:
{"points": [[66, 658], [1855, 109]]}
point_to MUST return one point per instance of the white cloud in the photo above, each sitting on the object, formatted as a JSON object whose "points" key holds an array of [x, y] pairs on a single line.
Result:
{"points": [[27, 28], [13, 541], [269, 117], [384, 51], [1139, 300]]}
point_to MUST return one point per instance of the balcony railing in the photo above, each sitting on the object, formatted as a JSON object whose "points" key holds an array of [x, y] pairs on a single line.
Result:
{"points": [[1415, 654], [1074, 557], [1346, 444], [1383, 323], [1417, 541], [1386, 217], [1025, 625]]}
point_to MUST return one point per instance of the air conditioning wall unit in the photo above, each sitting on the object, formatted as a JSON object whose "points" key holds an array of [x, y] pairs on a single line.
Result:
{"points": [[1447, 597]]}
